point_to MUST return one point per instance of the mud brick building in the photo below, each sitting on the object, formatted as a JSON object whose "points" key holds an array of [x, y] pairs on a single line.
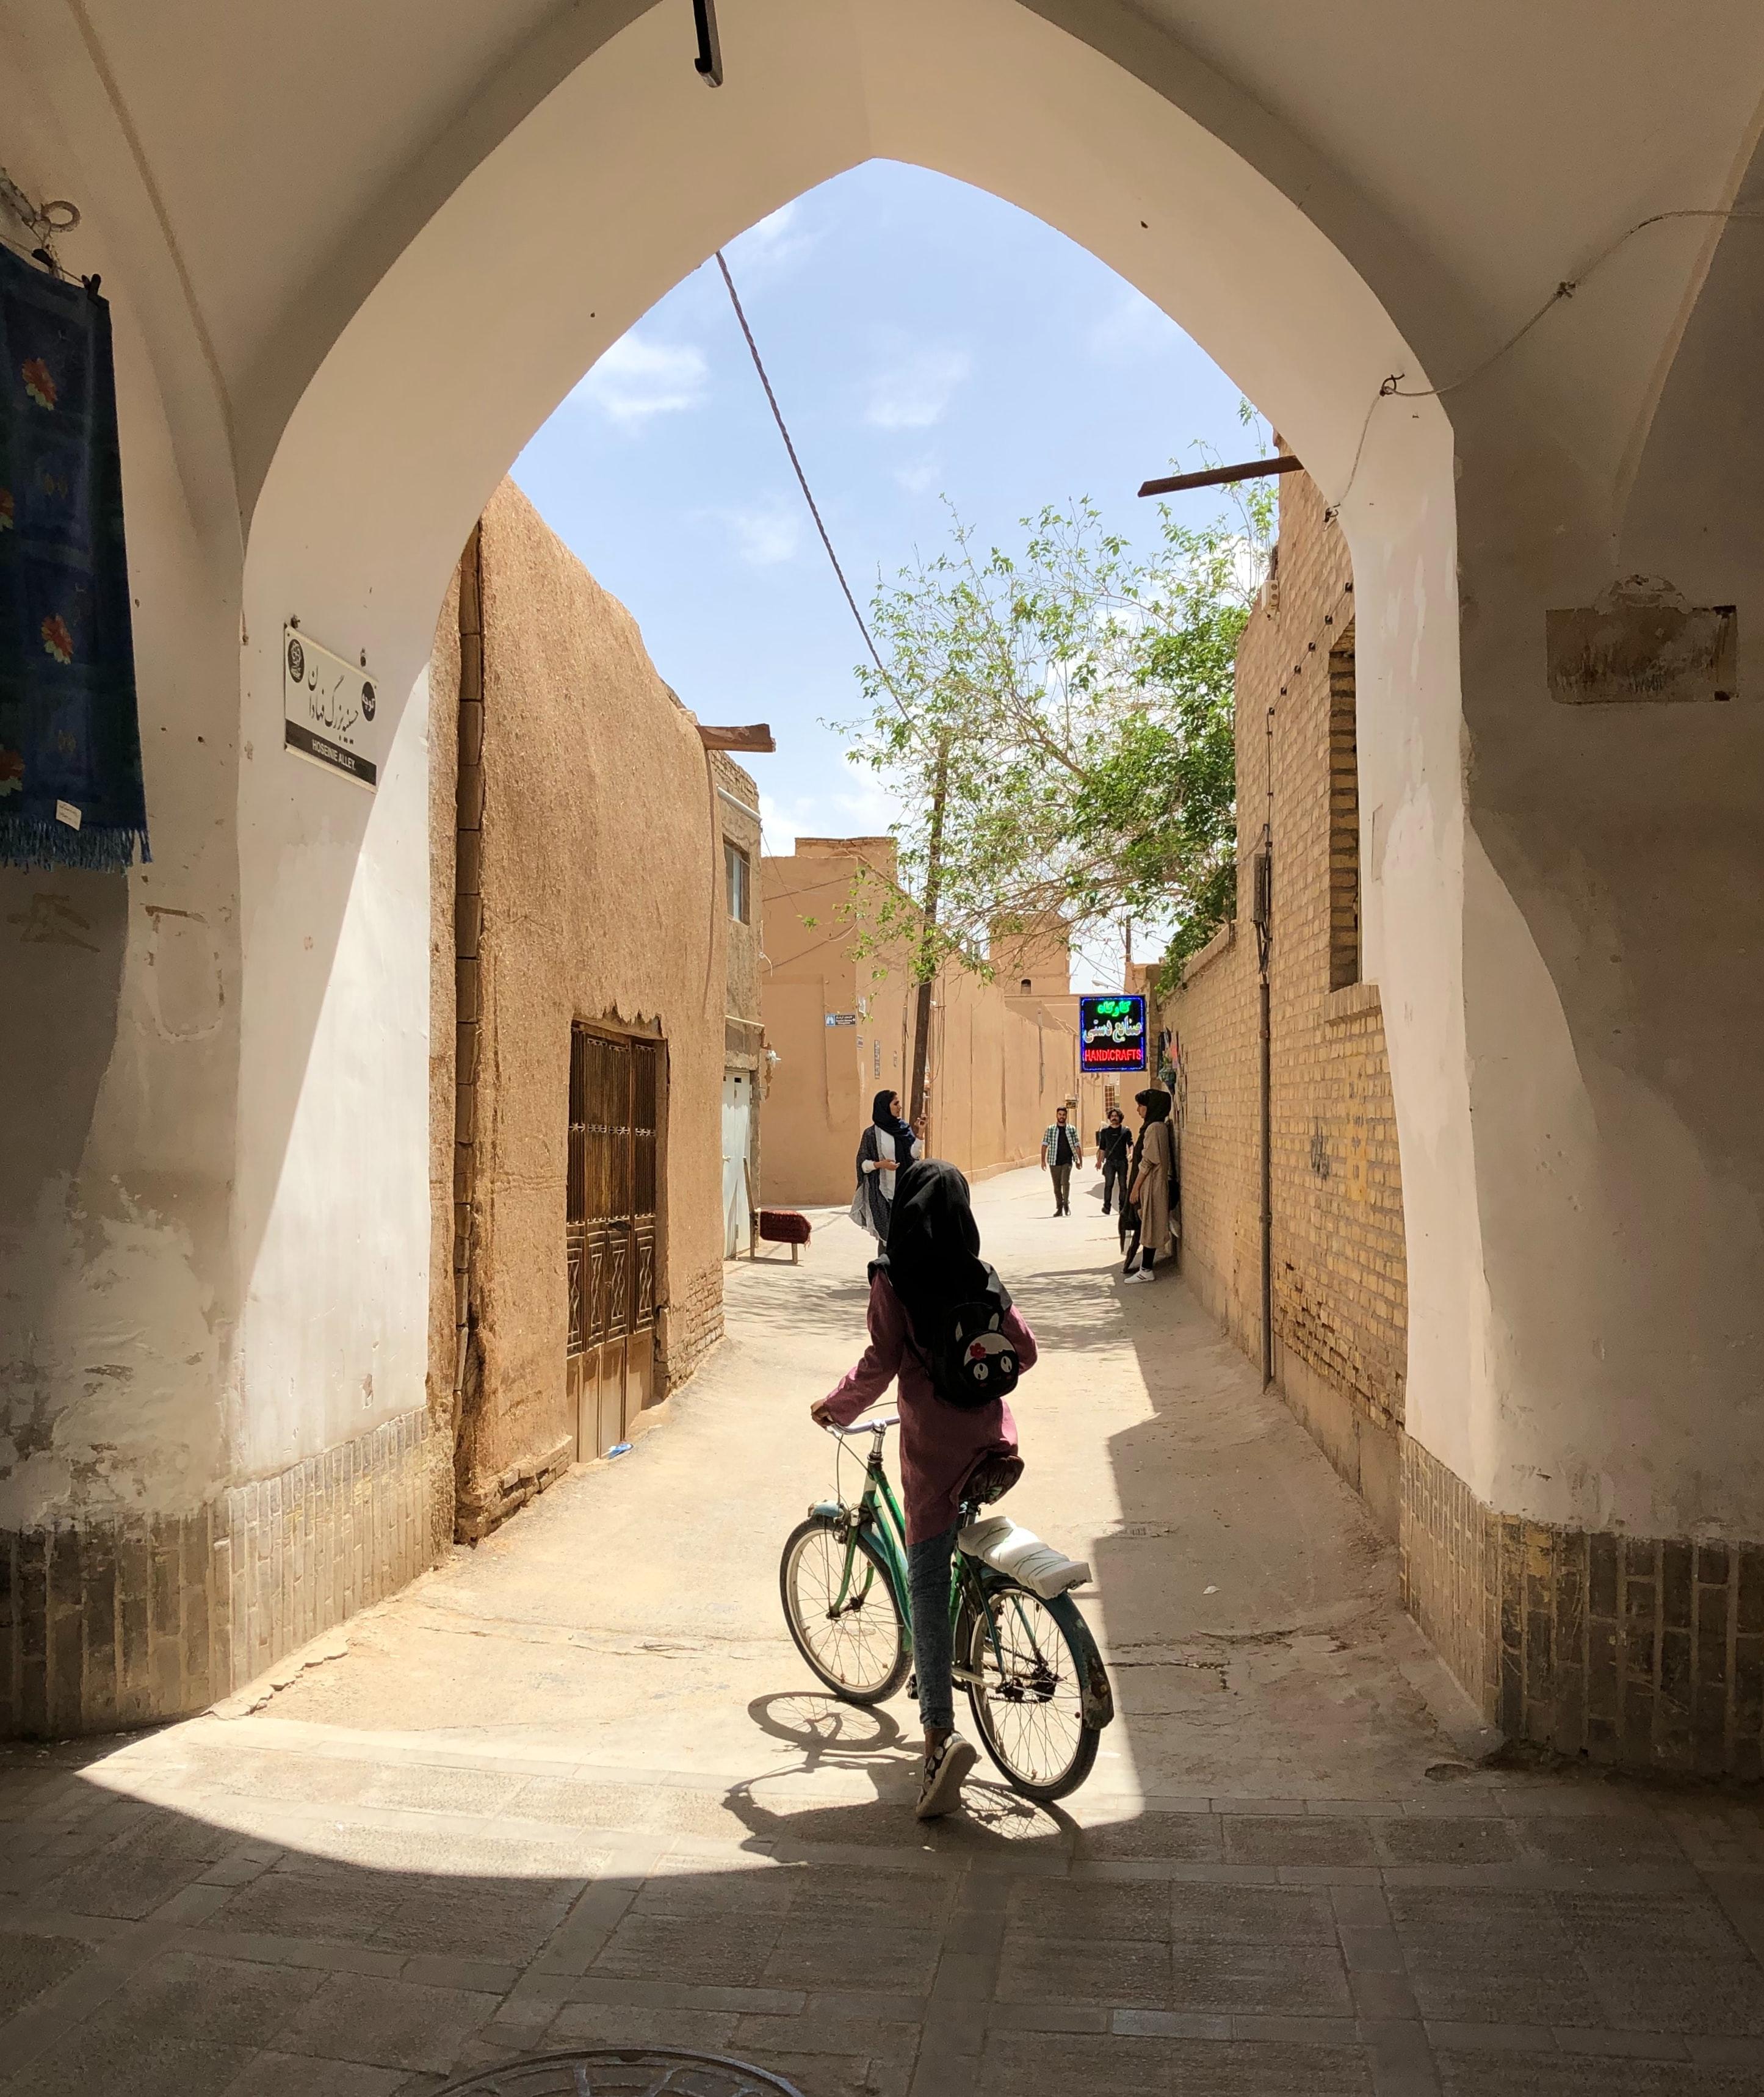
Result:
{"points": [[1339, 1284], [580, 996], [839, 1005], [1591, 1640]]}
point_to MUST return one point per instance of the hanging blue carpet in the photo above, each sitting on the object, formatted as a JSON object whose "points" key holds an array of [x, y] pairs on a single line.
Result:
{"points": [[70, 744]]}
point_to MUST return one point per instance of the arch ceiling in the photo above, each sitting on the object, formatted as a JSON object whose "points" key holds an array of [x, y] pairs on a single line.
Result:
{"points": [[1461, 159]]}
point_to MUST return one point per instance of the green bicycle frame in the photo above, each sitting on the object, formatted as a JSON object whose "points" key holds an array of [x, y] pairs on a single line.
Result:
{"points": [[877, 1516]]}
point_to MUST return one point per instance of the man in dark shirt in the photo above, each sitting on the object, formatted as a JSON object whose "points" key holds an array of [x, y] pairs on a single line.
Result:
{"points": [[1061, 1148], [1114, 1145]]}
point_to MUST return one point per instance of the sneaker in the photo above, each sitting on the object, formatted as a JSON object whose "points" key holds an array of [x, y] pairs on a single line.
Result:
{"points": [[940, 1789], [1139, 1274]]}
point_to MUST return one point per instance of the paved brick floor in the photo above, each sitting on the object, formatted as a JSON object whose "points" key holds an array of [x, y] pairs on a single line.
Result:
{"points": [[506, 1818]]}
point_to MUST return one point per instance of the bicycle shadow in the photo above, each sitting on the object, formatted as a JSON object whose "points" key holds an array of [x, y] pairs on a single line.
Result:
{"points": [[864, 1739]]}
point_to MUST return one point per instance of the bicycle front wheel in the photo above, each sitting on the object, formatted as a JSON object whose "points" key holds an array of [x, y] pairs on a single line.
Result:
{"points": [[1025, 1684], [847, 1624]]}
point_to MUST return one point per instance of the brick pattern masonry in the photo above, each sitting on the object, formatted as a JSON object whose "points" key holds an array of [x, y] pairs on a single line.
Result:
{"points": [[1341, 1302], [1637, 1650], [691, 1326], [113, 1624]]}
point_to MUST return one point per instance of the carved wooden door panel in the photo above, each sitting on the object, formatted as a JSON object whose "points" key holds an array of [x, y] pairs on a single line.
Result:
{"points": [[618, 1091]]}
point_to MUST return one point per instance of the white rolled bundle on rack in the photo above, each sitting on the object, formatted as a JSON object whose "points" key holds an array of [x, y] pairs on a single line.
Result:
{"points": [[1008, 1547]]}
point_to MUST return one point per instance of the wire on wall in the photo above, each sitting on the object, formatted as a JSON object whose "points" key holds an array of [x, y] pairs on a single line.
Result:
{"points": [[42, 222], [1392, 389]]}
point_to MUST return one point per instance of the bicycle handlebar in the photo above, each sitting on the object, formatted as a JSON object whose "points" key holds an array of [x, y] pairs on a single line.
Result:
{"points": [[865, 1426]]}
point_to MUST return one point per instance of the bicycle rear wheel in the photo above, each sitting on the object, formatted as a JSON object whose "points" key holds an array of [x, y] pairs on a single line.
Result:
{"points": [[857, 1643], [1025, 1661]]}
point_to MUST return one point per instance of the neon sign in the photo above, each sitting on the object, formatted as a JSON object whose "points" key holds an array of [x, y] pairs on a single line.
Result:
{"points": [[1111, 1033]]}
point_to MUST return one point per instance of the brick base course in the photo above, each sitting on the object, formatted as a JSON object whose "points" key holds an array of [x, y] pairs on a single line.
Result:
{"points": [[111, 1625], [1645, 1651], [692, 1325]]}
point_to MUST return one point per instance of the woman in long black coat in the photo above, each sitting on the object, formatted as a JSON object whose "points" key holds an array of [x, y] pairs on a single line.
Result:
{"points": [[886, 1145]]}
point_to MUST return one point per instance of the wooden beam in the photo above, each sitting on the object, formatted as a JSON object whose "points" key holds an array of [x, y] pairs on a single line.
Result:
{"points": [[758, 737], [1218, 476]]}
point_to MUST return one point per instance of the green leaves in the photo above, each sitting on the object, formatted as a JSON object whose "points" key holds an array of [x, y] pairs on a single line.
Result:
{"points": [[1084, 697]]}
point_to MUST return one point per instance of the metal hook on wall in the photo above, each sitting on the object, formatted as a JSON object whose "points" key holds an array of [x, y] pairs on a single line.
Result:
{"points": [[709, 62], [43, 221]]}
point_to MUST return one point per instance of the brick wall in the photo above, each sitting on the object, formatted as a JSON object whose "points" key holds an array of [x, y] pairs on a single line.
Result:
{"points": [[1646, 1651], [1339, 1295], [691, 1325], [112, 1625]]}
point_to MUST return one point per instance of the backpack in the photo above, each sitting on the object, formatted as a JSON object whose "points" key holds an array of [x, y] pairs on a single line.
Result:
{"points": [[969, 1358]]}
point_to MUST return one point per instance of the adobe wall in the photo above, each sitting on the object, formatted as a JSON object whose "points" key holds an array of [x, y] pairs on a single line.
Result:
{"points": [[1340, 1281], [602, 900], [999, 1064], [737, 802], [738, 822], [826, 1076]]}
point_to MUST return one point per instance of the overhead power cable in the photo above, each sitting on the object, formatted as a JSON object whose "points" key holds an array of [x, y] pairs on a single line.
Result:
{"points": [[801, 482]]}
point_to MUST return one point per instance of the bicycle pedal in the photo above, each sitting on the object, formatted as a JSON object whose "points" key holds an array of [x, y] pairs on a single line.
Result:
{"points": [[912, 1685]]}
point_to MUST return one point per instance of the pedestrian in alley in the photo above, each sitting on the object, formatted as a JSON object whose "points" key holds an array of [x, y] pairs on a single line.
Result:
{"points": [[1114, 1145], [1150, 1179], [885, 1146], [932, 1265], [1062, 1148]]}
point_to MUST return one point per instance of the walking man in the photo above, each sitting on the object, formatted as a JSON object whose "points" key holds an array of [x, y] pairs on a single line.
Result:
{"points": [[1060, 1150], [1112, 1146]]}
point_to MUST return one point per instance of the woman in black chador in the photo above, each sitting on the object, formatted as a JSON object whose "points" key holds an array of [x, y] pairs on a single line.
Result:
{"points": [[886, 1145]]}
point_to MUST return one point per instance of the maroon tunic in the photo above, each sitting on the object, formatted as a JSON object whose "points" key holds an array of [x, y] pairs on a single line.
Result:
{"points": [[940, 1443]]}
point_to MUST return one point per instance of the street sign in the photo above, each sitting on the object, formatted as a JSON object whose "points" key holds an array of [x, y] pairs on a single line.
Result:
{"points": [[1111, 1032], [330, 712]]}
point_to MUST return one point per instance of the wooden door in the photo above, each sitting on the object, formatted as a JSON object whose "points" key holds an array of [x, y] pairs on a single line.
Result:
{"points": [[618, 1097]]}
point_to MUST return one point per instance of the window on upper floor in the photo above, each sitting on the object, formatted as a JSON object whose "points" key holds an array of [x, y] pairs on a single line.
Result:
{"points": [[1344, 818], [738, 881]]}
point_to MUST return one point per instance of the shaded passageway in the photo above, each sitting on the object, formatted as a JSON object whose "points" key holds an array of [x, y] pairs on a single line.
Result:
{"points": [[574, 1789]]}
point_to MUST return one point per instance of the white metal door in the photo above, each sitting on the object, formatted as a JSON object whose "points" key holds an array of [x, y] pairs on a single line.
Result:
{"points": [[737, 1134]]}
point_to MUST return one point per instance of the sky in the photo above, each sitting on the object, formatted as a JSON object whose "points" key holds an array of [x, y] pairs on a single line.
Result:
{"points": [[927, 341]]}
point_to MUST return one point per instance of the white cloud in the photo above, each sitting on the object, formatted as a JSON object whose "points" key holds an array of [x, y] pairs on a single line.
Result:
{"points": [[913, 394], [865, 809], [635, 379], [766, 535], [773, 244], [1132, 330], [919, 476]]}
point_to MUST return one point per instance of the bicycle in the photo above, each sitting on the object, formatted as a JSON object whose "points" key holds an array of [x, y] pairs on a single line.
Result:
{"points": [[1035, 1680]]}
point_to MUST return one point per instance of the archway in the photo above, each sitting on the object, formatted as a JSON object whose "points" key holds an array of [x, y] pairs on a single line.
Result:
{"points": [[474, 333]]}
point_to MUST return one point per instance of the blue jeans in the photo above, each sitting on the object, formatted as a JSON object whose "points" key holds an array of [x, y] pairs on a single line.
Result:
{"points": [[928, 1563]]}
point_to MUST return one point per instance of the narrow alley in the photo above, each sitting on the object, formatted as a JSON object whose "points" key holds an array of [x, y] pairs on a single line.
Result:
{"points": [[576, 1787]]}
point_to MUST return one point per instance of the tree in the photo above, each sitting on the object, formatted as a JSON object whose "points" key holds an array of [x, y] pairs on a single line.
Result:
{"points": [[1056, 727]]}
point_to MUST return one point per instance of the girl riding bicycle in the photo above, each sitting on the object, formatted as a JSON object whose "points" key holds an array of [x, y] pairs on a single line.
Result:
{"points": [[931, 1262]]}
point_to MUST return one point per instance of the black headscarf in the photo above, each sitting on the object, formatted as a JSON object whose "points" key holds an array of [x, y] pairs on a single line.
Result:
{"points": [[1157, 1107], [932, 1254], [891, 1124]]}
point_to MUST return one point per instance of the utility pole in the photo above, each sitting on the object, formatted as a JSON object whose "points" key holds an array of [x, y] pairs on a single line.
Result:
{"points": [[925, 969], [1263, 916]]}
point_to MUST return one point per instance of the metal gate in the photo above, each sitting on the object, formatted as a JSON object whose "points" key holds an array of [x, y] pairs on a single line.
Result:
{"points": [[618, 1098]]}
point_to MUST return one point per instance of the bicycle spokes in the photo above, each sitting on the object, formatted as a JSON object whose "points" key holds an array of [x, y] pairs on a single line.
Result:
{"points": [[1028, 1698], [841, 1611]]}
